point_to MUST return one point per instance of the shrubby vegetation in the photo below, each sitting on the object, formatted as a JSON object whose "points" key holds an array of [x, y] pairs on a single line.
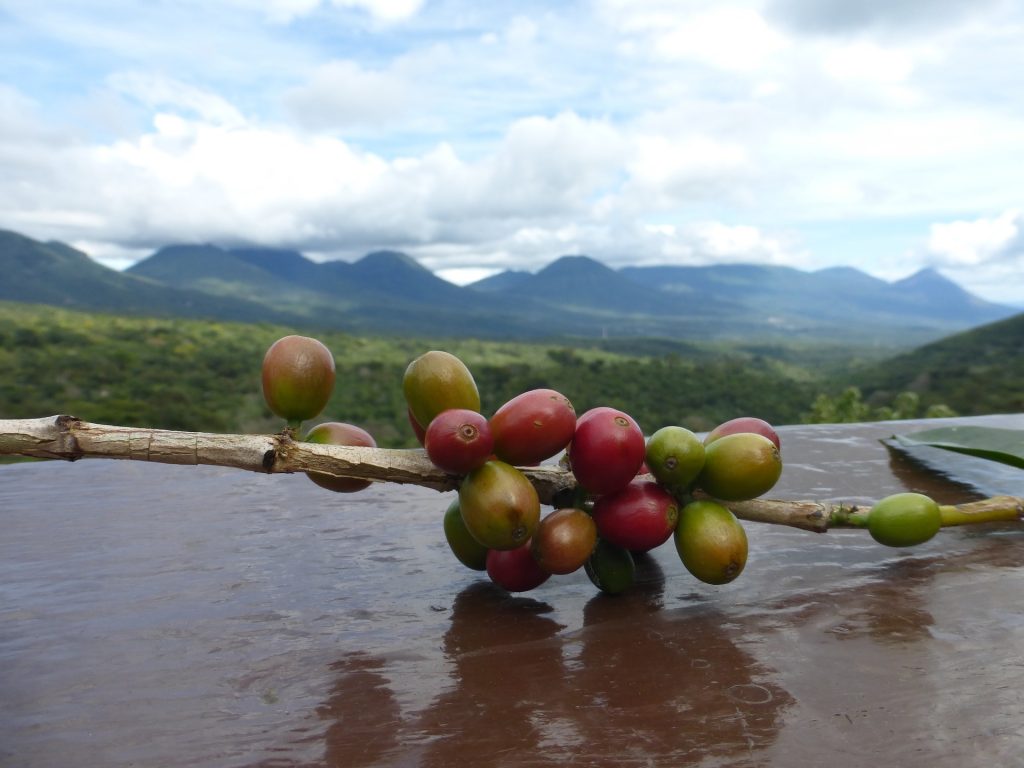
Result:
{"points": [[849, 407], [205, 376]]}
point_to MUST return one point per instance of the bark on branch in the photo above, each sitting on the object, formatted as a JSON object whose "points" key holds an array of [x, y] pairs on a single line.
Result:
{"points": [[65, 437], [68, 438]]}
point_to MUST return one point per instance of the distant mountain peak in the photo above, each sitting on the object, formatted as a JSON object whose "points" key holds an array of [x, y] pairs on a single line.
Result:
{"points": [[268, 253], [575, 263], [192, 266], [929, 279], [578, 266], [389, 259], [841, 269], [925, 275]]}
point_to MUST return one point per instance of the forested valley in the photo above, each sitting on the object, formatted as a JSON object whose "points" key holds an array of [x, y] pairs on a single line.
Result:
{"points": [[205, 376]]}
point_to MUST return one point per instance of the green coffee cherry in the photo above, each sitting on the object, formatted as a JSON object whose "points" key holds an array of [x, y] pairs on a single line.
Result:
{"points": [[904, 520]]}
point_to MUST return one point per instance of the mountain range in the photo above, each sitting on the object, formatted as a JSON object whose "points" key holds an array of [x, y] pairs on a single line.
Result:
{"points": [[573, 296]]}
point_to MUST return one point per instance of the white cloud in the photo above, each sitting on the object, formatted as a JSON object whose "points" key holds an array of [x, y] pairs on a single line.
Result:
{"points": [[342, 93], [191, 180], [856, 163], [466, 275], [729, 37], [111, 254], [711, 242], [566, 158], [195, 180], [669, 170], [863, 60], [742, 243], [979, 241], [881, 77], [907, 138]]}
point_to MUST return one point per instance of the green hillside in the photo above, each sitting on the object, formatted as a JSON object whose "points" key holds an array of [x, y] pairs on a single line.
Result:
{"points": [[978, 371], [204, 375], [196, 375]]}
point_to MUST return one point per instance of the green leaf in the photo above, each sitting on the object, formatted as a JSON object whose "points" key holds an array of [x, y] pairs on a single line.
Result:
{"points": [[1003, 445]]}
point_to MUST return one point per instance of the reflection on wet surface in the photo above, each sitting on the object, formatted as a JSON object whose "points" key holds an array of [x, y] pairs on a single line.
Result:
{"points": [[159, 615]]}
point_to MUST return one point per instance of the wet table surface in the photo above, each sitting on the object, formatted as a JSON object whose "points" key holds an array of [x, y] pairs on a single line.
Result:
{"points": [[155, 615]]}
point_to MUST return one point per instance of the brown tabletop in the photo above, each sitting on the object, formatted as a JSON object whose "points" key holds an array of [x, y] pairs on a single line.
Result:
{"points": [[155, 615]]}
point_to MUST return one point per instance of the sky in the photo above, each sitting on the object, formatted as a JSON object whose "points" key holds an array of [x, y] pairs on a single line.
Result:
{"points": [[482, 136]]}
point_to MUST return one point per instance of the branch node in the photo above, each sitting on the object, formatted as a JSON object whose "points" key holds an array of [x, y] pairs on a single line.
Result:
{"points": [[268, 460], [68, 447]]}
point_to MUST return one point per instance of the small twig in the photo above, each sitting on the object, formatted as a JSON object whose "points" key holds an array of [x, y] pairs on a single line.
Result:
{"points": [[68, 438]]}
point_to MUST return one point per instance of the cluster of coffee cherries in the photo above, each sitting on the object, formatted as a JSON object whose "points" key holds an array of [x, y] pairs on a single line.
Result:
{"points": [[632, 493]]}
